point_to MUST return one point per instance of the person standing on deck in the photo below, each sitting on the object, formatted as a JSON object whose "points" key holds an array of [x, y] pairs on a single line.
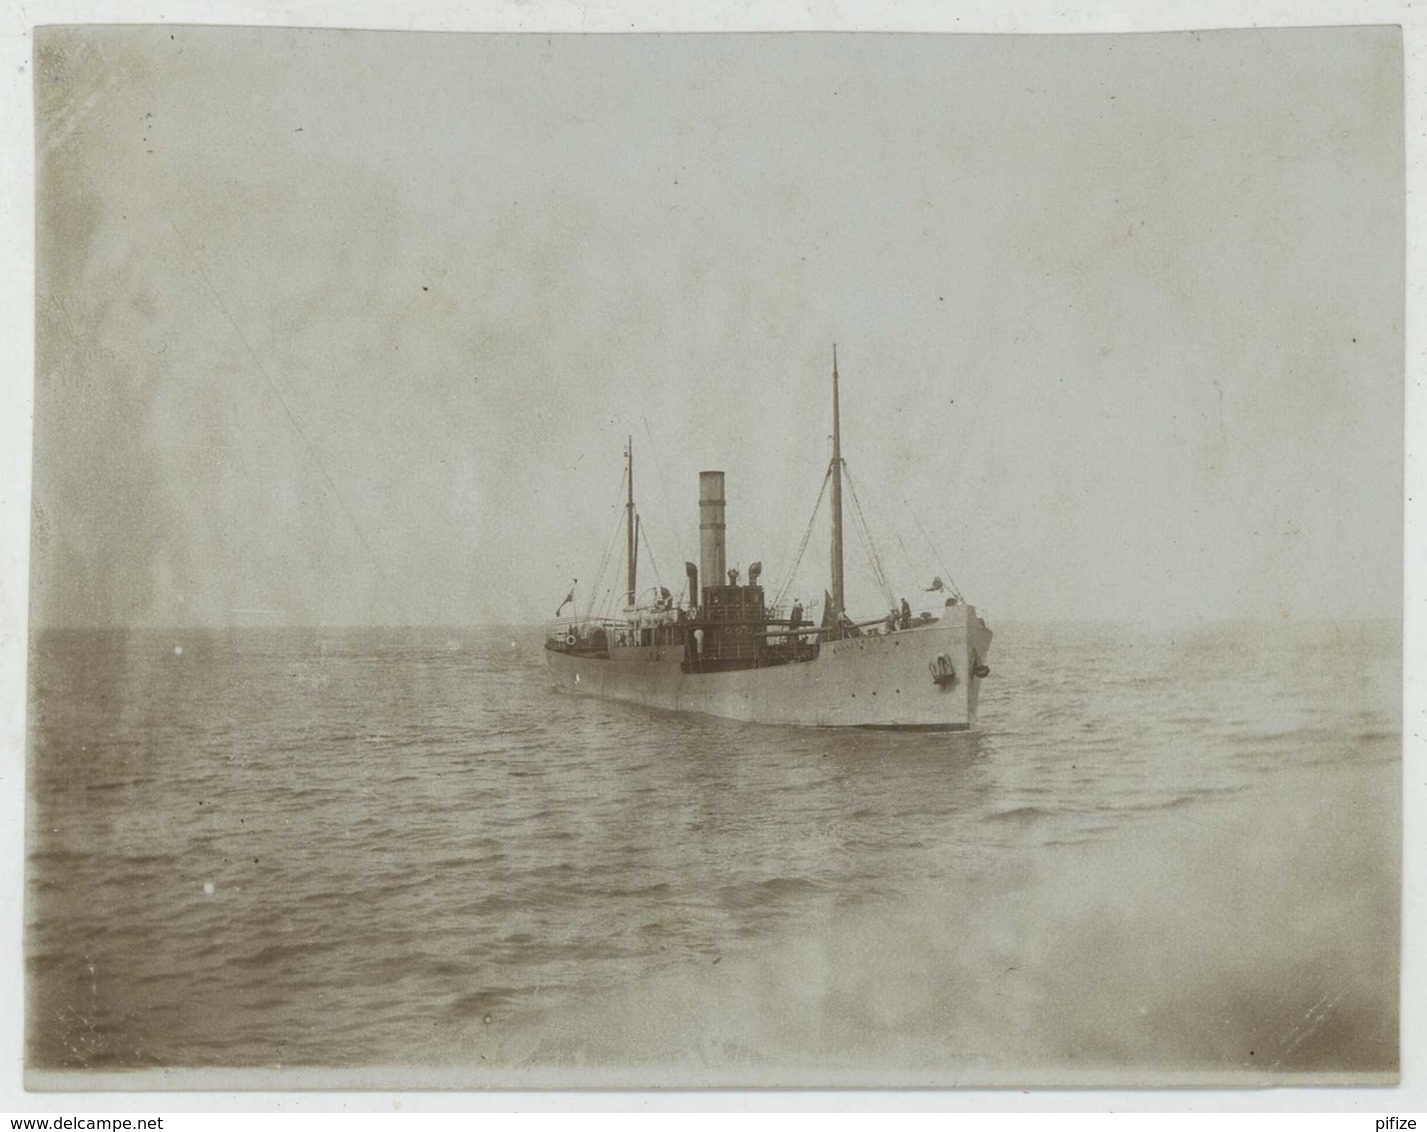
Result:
{"points": [[795, 618]]}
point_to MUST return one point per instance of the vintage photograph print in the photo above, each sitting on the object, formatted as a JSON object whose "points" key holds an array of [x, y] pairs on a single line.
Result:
{"points": [[679, 560]]}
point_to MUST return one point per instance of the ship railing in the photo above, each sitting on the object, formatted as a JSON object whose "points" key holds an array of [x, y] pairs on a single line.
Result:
{"points": [[562, 630], [654, 618]]}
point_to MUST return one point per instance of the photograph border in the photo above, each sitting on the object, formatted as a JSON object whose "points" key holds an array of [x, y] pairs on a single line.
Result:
{"points": [[557, 1089]]}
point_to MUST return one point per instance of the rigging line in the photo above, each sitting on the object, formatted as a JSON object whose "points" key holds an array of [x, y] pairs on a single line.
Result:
{"points": [[882, 574], [802, 544], [598, 605], [878, 569], [878, 565], [881, 566], [597, 586], [807, 534], [612, 596], [669, 509], [861, 538], [644, 536], [291, 416], [864, 540], [603, 602], [907, 556], [596, 589], [932, 547], [606, 605]]}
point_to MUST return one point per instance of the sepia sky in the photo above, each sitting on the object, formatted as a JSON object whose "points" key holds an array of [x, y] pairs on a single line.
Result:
{"points": [[351, 327]]}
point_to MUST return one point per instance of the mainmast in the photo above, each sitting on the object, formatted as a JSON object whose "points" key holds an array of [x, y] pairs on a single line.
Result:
{"points": [[629, 523], [838, 602]]}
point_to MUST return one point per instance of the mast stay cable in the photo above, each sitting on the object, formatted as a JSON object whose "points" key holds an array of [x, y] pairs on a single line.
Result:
{"points": [[649, 549], [803, 546], [869, 546], [597, 605], [935, 554], [670, 512]]}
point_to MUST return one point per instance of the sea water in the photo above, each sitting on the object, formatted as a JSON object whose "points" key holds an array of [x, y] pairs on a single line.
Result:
{"points": [[338, 848]]}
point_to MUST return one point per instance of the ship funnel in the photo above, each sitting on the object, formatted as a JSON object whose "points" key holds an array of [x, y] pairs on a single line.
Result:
{"points": [[711, 528], [692, 573]]}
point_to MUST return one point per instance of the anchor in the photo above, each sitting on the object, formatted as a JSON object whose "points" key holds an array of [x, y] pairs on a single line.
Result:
{"points": [[943, 672]]}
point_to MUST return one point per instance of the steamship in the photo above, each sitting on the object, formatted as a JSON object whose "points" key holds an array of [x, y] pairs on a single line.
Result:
{"points": [[722, 649]]}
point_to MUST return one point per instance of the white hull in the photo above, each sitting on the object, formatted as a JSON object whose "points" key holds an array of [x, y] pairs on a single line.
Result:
{"points": [[867, 681]]}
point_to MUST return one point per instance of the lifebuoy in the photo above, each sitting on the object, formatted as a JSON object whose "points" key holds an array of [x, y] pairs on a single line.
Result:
{"points": [[571, 639]]}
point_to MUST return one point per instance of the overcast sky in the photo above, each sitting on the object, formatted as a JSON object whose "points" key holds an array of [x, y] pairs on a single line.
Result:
{"points": [[351, 327]]}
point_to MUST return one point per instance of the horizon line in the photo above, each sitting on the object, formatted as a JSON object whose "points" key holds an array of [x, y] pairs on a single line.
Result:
{"points": [[1253, 619]]}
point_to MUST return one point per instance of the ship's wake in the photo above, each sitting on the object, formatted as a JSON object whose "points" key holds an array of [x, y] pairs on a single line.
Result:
{"points": [[1243, 936]]}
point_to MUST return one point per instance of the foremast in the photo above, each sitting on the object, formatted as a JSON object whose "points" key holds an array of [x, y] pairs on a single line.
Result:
{"points": [[835, 470], [631, 521]]}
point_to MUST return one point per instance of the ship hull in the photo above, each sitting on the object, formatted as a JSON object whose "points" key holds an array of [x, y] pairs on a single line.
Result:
{"points": [[884, 680]]}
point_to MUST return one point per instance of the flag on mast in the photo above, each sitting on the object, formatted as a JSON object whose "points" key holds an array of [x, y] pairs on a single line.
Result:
{"points": [[569, 598]]}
